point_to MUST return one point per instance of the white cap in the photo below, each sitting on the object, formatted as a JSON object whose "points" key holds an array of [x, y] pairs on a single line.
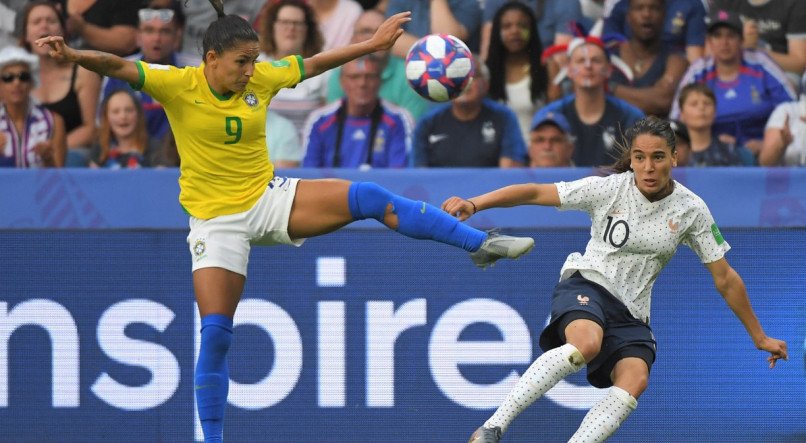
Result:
{"points": [[14, 54]]}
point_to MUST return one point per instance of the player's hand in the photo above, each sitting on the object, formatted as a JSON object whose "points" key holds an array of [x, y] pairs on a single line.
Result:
{"points": [[777, 349], [458, 207], [389, 31], [58, 48]]}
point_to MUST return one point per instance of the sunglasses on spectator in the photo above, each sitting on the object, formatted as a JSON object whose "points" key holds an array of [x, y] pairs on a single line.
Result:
{"points": [[24, 77], [163, 15]]}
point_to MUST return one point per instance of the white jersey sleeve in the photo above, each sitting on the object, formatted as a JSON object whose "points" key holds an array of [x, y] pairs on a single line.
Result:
{"points": [[703, 236]]}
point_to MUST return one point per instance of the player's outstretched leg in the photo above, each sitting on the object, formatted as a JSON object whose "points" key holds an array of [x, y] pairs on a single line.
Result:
{"points": [[551, 367], [605, 417], [212, 375], [417, 219]]}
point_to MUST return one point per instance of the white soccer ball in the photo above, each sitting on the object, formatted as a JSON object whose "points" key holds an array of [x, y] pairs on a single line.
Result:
{"points": [[439, 67]]}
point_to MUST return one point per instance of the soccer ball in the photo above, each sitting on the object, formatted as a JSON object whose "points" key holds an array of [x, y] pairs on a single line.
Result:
{"points": [[439, 67]]}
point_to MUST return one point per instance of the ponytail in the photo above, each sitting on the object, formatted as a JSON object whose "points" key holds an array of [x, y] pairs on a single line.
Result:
{"points": [[226, 32], [218, 5]]}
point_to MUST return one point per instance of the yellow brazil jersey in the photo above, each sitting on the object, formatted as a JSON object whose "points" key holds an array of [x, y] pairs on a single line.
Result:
{"points": [[221, 141]]}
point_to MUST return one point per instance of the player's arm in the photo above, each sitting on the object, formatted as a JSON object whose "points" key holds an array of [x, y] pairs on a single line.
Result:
{"points": [[543, 194], [730, 285], [101, 62], [384, 38]]}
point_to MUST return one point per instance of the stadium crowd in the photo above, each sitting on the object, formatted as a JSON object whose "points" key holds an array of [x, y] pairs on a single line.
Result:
{"points": [[557, 82]]}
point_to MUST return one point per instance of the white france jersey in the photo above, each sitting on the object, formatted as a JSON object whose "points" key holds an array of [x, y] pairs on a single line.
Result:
{"points": [[632, 238]]}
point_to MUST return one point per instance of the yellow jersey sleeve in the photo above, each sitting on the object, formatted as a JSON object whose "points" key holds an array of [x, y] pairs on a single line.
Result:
{"points": [[162, 82], [270, 77]]}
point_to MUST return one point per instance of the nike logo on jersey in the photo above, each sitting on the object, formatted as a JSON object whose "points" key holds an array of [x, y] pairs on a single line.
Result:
{"points": [[436, 138], [198, 102]]}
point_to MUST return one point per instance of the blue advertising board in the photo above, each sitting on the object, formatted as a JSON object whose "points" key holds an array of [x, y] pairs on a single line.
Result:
{"points": [[368, 336]]}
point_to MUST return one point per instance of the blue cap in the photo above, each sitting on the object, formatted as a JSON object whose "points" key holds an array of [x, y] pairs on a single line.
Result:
{"points": [[553, 118]]}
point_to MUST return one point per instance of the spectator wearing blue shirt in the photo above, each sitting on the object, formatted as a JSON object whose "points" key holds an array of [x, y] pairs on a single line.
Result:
{"points": [[748, 85], [460, 18], [683, 29], [596, 118], [777, 27], [361, 130], [158, 34], [471, 131]]}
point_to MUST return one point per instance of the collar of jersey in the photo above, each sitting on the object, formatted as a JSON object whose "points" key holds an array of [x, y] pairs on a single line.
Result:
{"points": [[218, 96]]}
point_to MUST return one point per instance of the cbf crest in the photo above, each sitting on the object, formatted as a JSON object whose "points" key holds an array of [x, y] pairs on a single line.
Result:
{"points": [[199, 249], [251, 99]]}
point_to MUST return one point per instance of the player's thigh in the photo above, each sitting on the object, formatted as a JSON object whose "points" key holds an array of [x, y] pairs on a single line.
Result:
{"points": [[217, 290], [320, 206], [586, 335], [632, 375]]}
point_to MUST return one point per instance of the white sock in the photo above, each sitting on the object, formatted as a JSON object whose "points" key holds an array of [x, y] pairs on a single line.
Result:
{"points": [[605, 417], [545, 372]]}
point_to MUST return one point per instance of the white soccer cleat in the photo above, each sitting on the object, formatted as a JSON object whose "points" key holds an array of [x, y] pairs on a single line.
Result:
{"points": [[499, 246]]}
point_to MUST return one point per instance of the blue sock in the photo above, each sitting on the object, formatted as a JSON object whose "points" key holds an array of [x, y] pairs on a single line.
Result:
{"points": [[416, 219], [212, 375]]}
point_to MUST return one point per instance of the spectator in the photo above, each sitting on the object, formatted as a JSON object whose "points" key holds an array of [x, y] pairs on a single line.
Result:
{"points": [[553, 18], [8, 18], [106, 25], [657, 69], [785, 133], [748, 84], [517, 78], [595, 117], [471, 131], [777, 27], [123, 142], [697, 111], [683, 26], [361, 130], [288, 27], [283, 141], [336, 20], [65, 88], [683, 140], [31, 136], [550, 142], [199, 15], [460, 18], [158, 34], [394, 86]]}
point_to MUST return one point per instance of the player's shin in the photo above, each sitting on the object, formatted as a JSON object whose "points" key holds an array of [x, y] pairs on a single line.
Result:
{"points": [[212, 375], [551, 367], [416, 219], [605, 417]]}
